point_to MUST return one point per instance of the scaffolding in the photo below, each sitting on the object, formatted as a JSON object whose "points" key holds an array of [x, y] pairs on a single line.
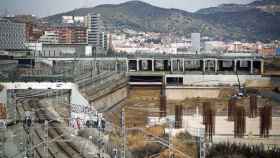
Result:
{"points": [[265, 120], [209, 117], [239, 122], [231, 108], [162, 106], [178, 116], [123, 132], [162, 101], [253, 106]]}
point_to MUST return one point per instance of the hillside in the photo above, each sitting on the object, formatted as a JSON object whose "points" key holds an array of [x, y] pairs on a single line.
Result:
{"points": [[229, 21], [225, 8], [270, 6]]}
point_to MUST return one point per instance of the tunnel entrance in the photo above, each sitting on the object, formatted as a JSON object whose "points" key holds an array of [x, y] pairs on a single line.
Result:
{"points": [[145, 80], [172, 81]]}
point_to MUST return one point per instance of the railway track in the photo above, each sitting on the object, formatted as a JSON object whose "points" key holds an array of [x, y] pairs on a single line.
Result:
{"points": [[60, 148], [67, 147], [20, 111]]}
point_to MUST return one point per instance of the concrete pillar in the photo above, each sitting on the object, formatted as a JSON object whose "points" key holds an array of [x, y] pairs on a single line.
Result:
{"points": [[204, 65], [216, 65], [116, 66], [101, 66], [183, 65], [127, 66], [153, 65], [171, 64], [262, 67], [251, 67], [178, 64], [137, 65], [235, 65]]}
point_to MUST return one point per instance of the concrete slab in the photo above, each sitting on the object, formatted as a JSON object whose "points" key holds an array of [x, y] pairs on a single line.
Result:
{"points": [[225, 128]]}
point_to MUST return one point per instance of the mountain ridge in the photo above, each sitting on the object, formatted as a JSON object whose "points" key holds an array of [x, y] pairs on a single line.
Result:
{"points": [[228, 21], [259, 4]]}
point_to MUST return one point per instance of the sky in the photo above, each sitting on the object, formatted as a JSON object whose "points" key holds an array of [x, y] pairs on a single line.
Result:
{"points": [[43, 8]]}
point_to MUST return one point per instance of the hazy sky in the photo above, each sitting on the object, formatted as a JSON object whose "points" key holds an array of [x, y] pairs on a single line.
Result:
{"points": [[49, 7]]}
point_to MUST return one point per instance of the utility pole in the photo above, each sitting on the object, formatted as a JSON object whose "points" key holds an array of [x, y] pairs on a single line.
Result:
{"points": [[14, 97], [99, 138], [46, 136], [100, 128], [115, 153], [123, 133], [2, 138], [170, 145], [92, 69], [201, 134], [28, 140]]}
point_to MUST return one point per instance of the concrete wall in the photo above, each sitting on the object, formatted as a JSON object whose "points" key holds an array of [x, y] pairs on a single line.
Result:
{"points": [[107, 92], [77, 98], [3, 96], [212, 80], [62, 49], [177, 94], [110, 99], [6, 99], [205, 86], [38, 85]]}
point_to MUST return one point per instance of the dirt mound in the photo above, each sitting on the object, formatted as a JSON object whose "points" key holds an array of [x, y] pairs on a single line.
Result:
{"points": [[226, 92], [258, 83]]}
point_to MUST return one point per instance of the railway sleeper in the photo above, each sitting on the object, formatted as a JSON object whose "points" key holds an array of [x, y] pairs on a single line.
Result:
{"points": [[64, 146], [52, 147]]}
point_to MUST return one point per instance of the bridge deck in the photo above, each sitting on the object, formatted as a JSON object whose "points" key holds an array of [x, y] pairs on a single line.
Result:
{"points": [[148, 56]]}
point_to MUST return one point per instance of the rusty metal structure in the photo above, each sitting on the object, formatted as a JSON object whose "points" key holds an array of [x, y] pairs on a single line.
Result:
{"points": [[265, 120], [205, 107], [239, 122], [163, 101], [253, 110], [231, 108], [209, 117], [3, 111], [178, 116]]}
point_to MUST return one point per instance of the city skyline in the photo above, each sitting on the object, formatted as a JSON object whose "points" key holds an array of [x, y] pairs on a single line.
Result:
{"points": [[139, 79], [46, 8]]}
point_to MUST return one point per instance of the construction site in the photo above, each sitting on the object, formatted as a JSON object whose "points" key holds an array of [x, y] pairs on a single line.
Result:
{"points": [[100, 108]]}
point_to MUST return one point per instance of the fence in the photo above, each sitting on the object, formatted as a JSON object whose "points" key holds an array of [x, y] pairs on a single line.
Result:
{"points": [[105, 145]]}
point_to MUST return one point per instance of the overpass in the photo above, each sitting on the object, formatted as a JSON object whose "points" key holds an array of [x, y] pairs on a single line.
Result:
{"points": [[172, 63]]}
